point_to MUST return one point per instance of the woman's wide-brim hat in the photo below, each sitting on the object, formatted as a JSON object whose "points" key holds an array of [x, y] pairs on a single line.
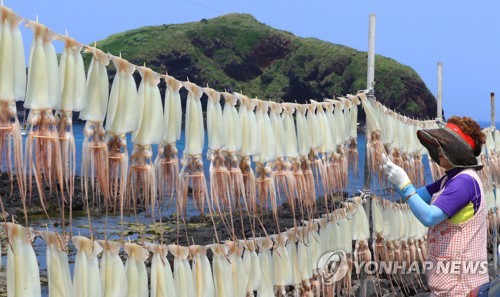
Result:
{"points": [[456, 146]]}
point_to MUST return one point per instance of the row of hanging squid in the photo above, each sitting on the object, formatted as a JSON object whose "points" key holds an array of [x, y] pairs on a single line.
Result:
{"points": [[260, 153], [490, 178], [393, 134], [274, 265]]}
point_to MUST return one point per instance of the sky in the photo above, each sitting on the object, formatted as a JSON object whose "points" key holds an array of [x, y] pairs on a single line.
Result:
{"points": [[464, 35]]}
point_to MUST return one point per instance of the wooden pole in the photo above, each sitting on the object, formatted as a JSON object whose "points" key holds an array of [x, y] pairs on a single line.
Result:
{"points": [[370, 83], [440, 92], [495, 233]]}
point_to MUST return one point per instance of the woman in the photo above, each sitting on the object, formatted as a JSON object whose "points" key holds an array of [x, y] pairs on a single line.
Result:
{"points": [[453, 207]]}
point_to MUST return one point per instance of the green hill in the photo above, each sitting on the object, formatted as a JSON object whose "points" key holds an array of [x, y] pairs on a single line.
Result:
{"points": [[236, 52]]}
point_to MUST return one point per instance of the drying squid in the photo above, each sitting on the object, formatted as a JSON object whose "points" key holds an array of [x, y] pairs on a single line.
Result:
{"points": [[285, 185], [315, 249], [233, 142], [304, 145], [250, 146], [252, 266], [142, 179], [112, 272], [360, 231], [220, 178], [316, 134], [334, 176], [353, 134], [282, 265], [43, 151], [23, 276], [294, 236], [238, 271], [375, 146], [86, 282], [266, 288], [95, 166], [162, 280], [12, 89], [222, 271], [202, 273], [137, 276], [167, 161], [183, 277], [326, 149], [378, 230], [304, 262], [192, 171], [266, 190], [284, 179], [73, 99], [121, 118], [340, 158], [57, 265]]}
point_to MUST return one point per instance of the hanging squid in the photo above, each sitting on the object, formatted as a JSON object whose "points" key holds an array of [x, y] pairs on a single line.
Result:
{"points": [[233, 139], [86, 282], [183, 277], [333, 159], [167, 161], [305, 261], [265, 187], [266, 265], [112, 272], [192, 173], [292, 161], [340, 158], [162, 280], [222, 271], [360, 231], [121, 118], [95, 166], [317, 140], [353, 154], [375, 146], [142, 179], [238, 271], [12, 89], [202, 273], [326, 149], [378, 230], [250, 146], [282, 265], [304, 145], [23, 276], [57, 265], [137, 276], [73, 99], [252, 266], [220, 178], [43, 151]]}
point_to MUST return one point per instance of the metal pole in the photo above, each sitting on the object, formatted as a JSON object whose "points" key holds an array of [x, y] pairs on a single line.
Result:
{"points": [[440, 92], [370, 77], [495, 233], [371, 96]]}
